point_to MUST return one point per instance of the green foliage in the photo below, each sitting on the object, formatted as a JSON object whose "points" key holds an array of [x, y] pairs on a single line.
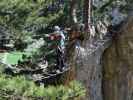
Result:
{"points": [[12, 57], [24, 88], [103, 9], [24, 19], [19, 14]]}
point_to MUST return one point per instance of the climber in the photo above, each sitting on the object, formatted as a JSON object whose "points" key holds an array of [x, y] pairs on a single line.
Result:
{"points": [[59, 44]]}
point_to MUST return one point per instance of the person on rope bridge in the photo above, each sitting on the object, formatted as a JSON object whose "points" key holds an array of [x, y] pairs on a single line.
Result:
{"points": [[58, 38]]}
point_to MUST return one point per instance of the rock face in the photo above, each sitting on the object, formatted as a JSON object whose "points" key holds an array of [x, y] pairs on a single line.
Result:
{"points": [[118, 65]]}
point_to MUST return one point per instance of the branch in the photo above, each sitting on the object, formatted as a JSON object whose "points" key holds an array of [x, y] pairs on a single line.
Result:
{"points": [[105, 5], [87, 14], [73, 10]]}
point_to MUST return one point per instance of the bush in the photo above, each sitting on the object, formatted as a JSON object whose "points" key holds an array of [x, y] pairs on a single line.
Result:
{"points": [[20, 87]]}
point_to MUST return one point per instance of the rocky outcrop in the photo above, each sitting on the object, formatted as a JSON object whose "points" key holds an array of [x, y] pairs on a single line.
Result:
{"points": [[118, 65]]}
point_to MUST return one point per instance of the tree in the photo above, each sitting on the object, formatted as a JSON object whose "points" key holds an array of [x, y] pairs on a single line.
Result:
{"points": [[117, 65], [24, 19], [73, 9], [87, 15], [86, 65], [83, 65]]}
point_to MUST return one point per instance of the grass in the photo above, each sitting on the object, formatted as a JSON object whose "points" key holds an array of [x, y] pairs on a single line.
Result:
{"points": [[12, 57]]}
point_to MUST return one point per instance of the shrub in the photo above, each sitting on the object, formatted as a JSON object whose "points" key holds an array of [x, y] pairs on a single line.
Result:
{"points": [[20, 87]]}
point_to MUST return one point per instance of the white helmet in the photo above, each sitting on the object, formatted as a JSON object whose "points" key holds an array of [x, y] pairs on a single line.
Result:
{"points": [[56, 28]]}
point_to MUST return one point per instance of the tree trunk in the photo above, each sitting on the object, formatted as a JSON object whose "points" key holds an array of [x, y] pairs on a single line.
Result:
{"points": [[87, 15], [107, 76], [73, 9], [86, 67], [118, 65]]}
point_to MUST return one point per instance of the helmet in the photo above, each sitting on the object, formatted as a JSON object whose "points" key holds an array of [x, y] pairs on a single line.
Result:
{"points": [[56, 28]]}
